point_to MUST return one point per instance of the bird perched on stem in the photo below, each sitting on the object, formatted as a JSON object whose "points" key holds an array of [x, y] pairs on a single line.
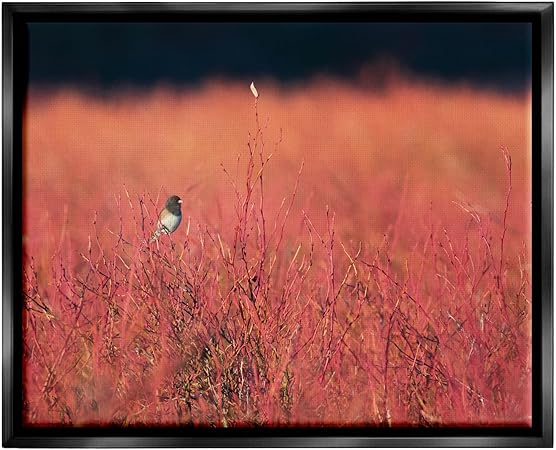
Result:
{"points": [[169, 218]]}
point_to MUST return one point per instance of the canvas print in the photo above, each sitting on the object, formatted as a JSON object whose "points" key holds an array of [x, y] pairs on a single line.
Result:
{"points": [[277, 225]]}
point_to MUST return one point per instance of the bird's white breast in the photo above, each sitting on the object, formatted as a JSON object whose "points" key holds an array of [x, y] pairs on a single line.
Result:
{"points": [[170, 222]]}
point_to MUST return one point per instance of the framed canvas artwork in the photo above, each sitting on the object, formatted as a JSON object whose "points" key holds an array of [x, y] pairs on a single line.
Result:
{"points": [[276, 225]]}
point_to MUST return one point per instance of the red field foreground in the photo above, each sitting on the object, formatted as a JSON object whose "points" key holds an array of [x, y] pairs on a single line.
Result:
{"points": [[347, 257]]}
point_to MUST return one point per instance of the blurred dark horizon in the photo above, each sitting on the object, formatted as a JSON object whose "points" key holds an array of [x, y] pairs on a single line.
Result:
{"points": [[110, 55]]}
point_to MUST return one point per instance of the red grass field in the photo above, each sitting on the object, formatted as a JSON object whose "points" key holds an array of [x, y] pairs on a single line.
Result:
{"points": [[348, 257]]}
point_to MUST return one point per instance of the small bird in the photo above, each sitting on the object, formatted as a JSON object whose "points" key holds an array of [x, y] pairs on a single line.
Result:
{"points": [[169, 218]]}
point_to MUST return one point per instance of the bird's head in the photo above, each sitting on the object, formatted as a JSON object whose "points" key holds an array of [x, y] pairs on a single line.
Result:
{"points": [[174, 203]]}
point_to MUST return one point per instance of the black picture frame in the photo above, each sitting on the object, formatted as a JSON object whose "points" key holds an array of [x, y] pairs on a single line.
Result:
{"points": [[14, 17]]}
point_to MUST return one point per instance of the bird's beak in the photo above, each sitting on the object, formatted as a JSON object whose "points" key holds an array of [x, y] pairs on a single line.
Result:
{"points": [[180, 201]]}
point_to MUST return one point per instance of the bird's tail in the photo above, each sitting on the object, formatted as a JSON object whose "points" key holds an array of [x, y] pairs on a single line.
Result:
{"points": [[155, 235]]}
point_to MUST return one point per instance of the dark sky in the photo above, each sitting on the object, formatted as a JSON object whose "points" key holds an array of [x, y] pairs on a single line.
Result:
{"points": [[106, 55]]}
